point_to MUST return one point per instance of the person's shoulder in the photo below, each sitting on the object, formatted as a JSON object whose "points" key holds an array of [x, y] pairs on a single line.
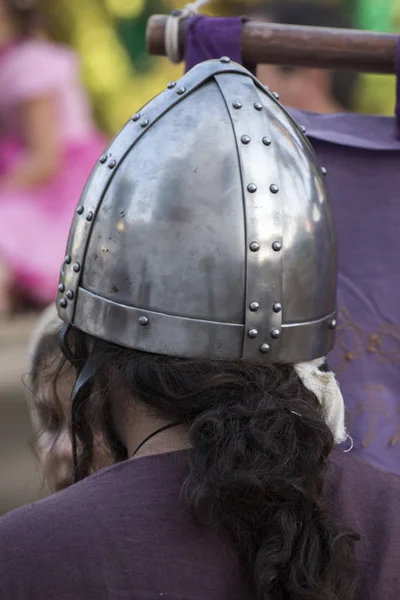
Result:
{"points": [[111, 488], [54, 513], [37, 541], [366, 498], [348, 469], [57, 523]]}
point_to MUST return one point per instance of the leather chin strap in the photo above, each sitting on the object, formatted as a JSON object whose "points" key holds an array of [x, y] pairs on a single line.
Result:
{"points": [[80, 391], [64, 345]]}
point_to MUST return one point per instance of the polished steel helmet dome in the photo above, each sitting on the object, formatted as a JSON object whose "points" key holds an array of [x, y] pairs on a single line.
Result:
{"points": [[205, 229]]}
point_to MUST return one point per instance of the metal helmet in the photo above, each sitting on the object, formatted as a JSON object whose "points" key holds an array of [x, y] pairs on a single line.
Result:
{"points": [[205, 229]]}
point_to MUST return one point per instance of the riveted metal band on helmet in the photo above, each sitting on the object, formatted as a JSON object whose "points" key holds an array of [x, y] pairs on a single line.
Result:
{"points": [[205, 230]]}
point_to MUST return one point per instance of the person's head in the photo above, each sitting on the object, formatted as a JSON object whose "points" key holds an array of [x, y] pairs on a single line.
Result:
{"points": [[312, 89], [199, 289], [50, 383], [20, 18]]}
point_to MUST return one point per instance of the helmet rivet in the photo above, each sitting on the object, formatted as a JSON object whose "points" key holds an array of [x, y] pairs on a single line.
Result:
{"points": [[252, 188], [225, 59], [257, 106], [89, 216], [103, 159], [70, 295], [171, 85], [245, 139], [333, 324], [323, 171], [264, 348], [275, 333], [181, 91], [76, 267], [112, 164], [254, 306], [254, 246], [277, 246], [79, 210], [63, 303], [266, 141], [237, 105], [136, 117], [275, 95], [303, 129], [67, 259], [253, 333], [61, 288], [273, 188], [144, 123], [143, 320], [277, 307]]}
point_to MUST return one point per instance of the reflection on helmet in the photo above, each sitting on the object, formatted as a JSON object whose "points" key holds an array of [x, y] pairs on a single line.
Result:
{"points": [[205, 230]]}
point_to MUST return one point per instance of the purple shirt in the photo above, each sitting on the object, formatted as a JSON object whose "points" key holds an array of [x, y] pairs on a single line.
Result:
{"points": [[362, 156], [124, 533]]}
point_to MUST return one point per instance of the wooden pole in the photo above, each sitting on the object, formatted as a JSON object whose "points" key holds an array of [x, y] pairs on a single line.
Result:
{"points": [[295, 45]]}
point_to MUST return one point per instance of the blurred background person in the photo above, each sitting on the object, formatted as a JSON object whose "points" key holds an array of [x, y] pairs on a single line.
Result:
{"points": [[48, 145], [316, 90]]}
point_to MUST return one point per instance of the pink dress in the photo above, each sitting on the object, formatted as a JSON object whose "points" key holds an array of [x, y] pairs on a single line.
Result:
{"points": [[34, 223]]}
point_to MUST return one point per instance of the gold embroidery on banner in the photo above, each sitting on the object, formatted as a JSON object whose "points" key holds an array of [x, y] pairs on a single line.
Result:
{"points": [[374, 406], [352, 343], [388, 341], [396, 436], [349, 341]]}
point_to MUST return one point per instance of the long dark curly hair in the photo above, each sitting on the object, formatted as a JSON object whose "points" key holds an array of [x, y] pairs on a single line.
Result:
{"points": [[258, 463]]}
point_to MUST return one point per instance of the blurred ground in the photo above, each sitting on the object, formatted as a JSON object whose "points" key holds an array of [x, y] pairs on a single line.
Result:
{"points": [[20, 480]]}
